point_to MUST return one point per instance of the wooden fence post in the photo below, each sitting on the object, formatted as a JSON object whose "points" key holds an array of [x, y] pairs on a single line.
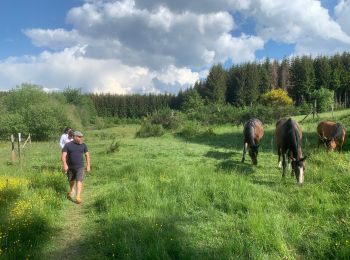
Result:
{"points": [[13, 154], [19, 145]]}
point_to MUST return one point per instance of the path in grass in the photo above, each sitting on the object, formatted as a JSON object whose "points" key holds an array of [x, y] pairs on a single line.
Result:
{"points": [[68, 242]]}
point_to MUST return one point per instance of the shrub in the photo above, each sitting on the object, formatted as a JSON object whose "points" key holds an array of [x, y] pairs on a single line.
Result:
{"points": [[43, 121], [148, 130], [267, 114], [190, 129], [12, 124], [191, 100], [113, 147], [276, 97], [324, 99], [167, 118], [28, 109], [216, 114]]}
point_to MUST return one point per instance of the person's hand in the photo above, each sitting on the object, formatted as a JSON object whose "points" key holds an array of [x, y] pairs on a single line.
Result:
{"points": [[65, 168], [87, 168]]}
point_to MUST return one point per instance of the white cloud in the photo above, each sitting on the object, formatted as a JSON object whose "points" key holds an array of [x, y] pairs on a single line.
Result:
{"points": [[163, 45], [342, 11], [303, 22], [54, 39], [68, 68]]}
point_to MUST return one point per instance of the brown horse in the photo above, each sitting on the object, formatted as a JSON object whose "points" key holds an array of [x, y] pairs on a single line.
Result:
{"points": [[288, 139], [331, 134], [252, 133]]}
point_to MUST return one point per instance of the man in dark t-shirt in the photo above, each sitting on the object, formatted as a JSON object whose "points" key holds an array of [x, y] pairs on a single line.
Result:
{"points": [[73, 163]]}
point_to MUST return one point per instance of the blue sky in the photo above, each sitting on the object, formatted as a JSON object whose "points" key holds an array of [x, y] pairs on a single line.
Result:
{"points": [[128, 46]]}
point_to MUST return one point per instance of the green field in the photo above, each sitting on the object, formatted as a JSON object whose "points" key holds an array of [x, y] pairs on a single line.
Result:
{"points": [[175, 198]]}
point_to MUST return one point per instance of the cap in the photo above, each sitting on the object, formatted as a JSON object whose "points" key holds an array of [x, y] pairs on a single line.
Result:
{"points": [[77, 133]]}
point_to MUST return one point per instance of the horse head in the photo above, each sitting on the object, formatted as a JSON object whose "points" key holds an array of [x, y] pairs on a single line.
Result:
{"points": [[298, 166], [331, 144]]}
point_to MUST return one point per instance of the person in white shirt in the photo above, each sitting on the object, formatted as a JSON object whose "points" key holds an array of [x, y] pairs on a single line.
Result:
{"points": [[64, 137]]}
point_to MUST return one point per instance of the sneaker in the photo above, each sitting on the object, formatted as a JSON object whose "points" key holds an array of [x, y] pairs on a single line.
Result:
{"points": [[69, 195], [78, 200]]}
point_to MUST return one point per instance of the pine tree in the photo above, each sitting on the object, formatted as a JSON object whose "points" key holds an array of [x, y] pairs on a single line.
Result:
{"points": [[215, 85]]}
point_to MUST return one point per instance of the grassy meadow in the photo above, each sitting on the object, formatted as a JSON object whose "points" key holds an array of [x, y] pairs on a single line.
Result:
{"points": [[172, 197]]}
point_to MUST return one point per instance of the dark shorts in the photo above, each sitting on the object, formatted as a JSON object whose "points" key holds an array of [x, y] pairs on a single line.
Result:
{"points": [[76, 174]]}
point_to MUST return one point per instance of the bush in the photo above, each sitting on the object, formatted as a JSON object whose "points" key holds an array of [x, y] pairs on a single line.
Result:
{"points": [[276, 97], [148, 130], [216, 114], [190, 129], [191, 100], [167, 118], [267, 114], [12, 124], [324, 99], [29, 110], [113, 147], [43, 121]]}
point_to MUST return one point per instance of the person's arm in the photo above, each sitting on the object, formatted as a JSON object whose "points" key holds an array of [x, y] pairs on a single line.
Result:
{"points": [[64, 160], [87, 158]]}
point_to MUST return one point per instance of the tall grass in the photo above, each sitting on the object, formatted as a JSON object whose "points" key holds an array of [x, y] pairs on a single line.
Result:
{"points": [[190, 197]]}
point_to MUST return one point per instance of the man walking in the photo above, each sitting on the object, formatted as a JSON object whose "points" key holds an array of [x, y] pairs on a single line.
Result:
{"points": [[73, 163]]}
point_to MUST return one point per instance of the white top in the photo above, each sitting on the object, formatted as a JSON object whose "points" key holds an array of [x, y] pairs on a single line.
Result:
{"points": [[64, 139]]}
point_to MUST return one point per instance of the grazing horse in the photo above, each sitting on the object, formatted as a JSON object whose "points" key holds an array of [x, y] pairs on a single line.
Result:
{"points": [[288, 139], [252, 134], [331, 134]]}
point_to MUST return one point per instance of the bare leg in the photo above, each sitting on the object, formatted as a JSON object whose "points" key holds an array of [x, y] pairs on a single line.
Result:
{"points": [[71, 186], [79, 188]]}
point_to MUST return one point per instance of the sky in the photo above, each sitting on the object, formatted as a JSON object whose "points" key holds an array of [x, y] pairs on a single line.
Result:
{"points": [[154, 46]]}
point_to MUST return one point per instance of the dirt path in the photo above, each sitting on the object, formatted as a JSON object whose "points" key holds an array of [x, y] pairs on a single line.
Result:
{"points": [[68, 242]]}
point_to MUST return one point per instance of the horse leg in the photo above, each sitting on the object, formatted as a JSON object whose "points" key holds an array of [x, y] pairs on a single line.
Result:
{"points": [[284, 162], [244, 151], [279, 158]]}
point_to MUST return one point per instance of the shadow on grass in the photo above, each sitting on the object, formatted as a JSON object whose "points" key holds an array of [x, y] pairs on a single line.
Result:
{"points": [[231, 166], [219, 155], [232, 140], [149, 238]]}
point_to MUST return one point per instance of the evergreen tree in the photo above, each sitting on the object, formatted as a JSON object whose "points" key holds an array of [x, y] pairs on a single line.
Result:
{"points": [[215, 86], [251, 86], [322, 72], [265, 76], [302, 79], [284, 75]]}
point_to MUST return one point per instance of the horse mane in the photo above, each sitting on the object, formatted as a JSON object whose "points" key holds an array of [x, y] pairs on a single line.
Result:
{"points": [[293, 127], [337, 131]]}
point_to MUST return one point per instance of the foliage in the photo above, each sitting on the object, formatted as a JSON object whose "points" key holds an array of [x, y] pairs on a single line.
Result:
{"points": [[214, 89], [267, 114], [114, 146], [276, 97], [324, 99], [12, 124], [86, 108], [190, 129], [170, 198], [191, 100], [30, 205], [166, 117], [148, 129], [30, 110], [131, 106]]}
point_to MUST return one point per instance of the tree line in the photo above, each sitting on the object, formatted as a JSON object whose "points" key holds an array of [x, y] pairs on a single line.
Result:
{"points": [[243, 85]]}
